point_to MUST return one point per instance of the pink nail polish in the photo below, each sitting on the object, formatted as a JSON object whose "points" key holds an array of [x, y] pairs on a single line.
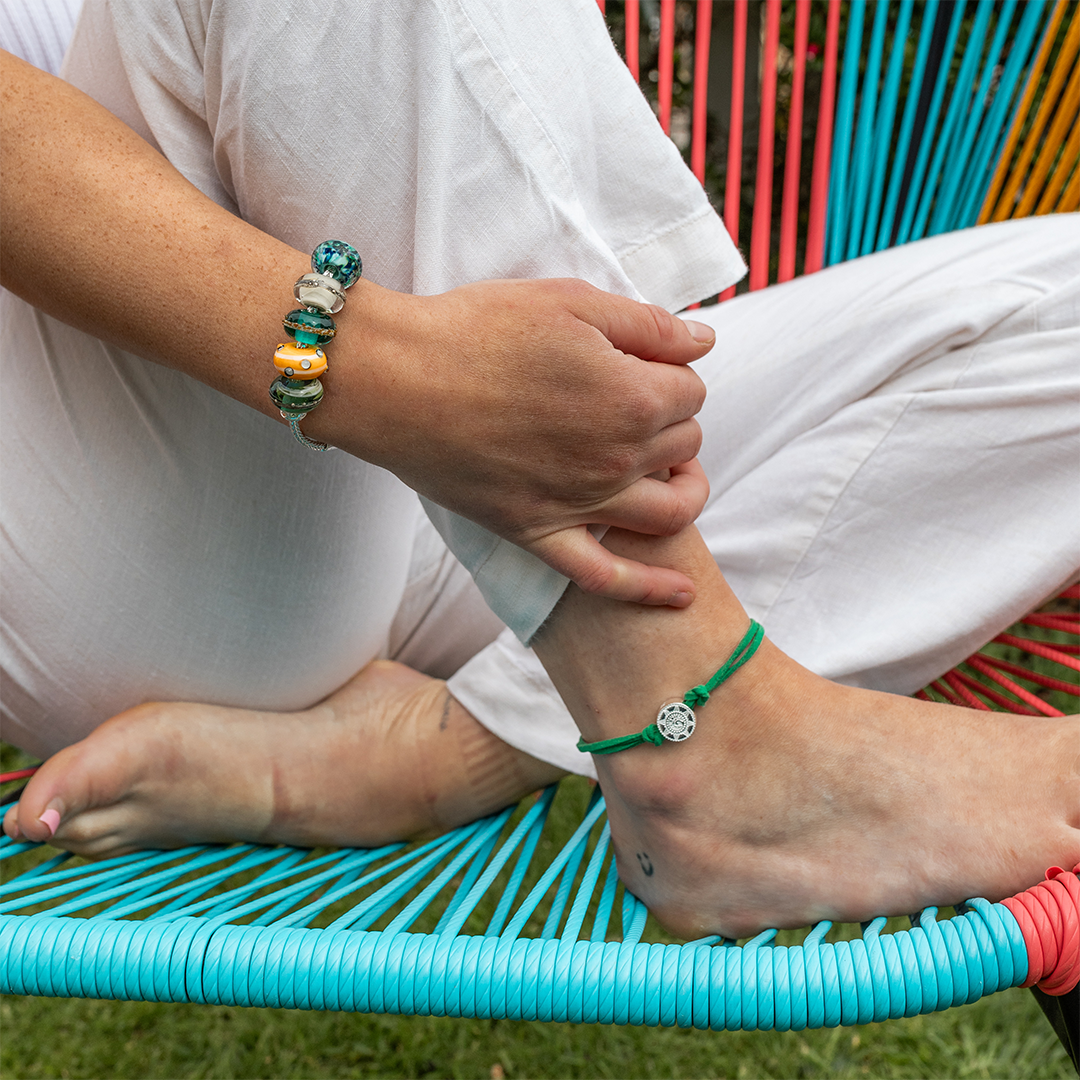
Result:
{"points": [[51, 820]]}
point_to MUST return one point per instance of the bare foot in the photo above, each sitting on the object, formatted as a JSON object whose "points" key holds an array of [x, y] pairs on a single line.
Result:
{"points": [[389, 756], [797, 799]]}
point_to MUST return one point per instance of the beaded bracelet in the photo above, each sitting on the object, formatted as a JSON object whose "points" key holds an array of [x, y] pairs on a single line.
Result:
{"points": [[297, 389], [676, 721]]}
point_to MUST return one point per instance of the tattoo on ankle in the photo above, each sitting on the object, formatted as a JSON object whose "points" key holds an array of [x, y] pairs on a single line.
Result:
{"points": [[445, 719], [646, 864]]}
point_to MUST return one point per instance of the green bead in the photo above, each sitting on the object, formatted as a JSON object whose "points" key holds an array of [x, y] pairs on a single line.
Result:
{"points": [[338, 260], [296, 395], [310, 327]]}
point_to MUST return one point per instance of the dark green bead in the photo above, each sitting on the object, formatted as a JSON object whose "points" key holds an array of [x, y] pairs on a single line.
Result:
{"points": [[310, 327], [296, 395], [338, 260]]}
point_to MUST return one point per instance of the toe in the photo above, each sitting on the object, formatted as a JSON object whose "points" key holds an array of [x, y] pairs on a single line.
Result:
{"points": [[51, 798], [38, 817], [11, 823]]}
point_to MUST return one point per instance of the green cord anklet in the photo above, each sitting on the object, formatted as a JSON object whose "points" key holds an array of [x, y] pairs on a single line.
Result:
{"points": [[676, 721]]}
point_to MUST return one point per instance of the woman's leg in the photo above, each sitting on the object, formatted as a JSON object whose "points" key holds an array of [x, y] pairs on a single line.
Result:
{"points": [[798, 799], [903, 484], [913, 494], [891, 445], [388, 756], [825, 801]]}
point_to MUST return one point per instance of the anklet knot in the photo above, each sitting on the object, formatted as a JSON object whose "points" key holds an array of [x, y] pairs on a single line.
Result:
{"points": [[1049, 919], [662, 729]]}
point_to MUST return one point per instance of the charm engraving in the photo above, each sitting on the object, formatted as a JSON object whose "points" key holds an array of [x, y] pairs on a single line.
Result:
{"points": [[676, 721]]}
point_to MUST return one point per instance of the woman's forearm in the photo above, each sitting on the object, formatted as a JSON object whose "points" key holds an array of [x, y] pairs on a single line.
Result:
{"points": [[100, 231]]}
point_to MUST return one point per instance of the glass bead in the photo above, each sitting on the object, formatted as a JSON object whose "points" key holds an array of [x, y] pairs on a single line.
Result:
{"points": [[338, 260], [310, 327], [290, 395], [296, 361], [320, 291]]}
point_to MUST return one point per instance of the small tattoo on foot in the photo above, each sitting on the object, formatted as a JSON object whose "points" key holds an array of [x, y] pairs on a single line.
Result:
{"points": [[646, 864], [444, 722]]}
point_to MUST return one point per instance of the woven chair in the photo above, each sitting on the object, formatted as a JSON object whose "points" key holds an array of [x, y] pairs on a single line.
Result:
{"points": [[925, 124]]}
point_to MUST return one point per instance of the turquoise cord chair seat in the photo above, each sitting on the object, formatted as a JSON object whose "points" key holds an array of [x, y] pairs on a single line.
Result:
{"points": [[234, 925]]}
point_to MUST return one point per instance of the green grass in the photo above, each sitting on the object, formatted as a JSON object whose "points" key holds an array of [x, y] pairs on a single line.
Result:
{"points": [[1002, 1036]]}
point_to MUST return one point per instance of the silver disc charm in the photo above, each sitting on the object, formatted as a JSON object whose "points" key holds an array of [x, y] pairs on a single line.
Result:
{"points": [[676, 721]]}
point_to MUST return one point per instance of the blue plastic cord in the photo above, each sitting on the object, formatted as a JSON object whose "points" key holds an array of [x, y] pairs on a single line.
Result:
{"points": [[907, 125], [864, 133], [999, 119], [707, 984], [845, 114], [513, 887], [952, 164], [602, 918], [926, 143], [957, 164], [883, 130], [953, 147], [576, 852]]}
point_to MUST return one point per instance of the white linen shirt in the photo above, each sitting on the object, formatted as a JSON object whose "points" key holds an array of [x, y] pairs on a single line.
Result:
{"points": [[448, 140]]}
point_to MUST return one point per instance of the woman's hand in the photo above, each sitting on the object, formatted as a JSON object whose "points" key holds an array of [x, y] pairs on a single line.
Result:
{"points": [[533, 408]]}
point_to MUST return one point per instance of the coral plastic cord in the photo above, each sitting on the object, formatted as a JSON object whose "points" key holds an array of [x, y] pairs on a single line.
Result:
{"points": [[733, 188], [819, 184], [761, 225], [18, 774], [789, 213], [702, 38], [1049, 918]]}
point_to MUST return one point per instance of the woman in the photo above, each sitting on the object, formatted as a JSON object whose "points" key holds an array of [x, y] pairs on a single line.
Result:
{"points": [[240, 570]]}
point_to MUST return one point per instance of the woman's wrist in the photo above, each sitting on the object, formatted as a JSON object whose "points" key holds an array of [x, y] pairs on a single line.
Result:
{"points": [[364, 379]]}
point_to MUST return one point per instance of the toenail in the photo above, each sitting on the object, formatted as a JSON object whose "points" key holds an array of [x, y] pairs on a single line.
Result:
{"points": [[51, 820]]}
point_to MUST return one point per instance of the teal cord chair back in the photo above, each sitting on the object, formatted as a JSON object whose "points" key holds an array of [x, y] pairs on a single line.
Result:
{"points": [[928, 117]]}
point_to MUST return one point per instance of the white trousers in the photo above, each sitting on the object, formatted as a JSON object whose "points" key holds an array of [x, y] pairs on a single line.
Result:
{"points": [[892, 446], [891, 443]]}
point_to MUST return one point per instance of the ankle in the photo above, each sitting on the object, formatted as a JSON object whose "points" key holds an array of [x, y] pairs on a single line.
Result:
{"points": [[602, 654]]}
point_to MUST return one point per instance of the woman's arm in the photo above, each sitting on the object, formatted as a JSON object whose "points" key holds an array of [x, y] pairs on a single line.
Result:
{"points": [[524, 405]]}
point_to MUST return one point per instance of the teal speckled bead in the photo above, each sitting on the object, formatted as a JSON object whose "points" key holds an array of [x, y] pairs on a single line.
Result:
{"points": [[310, 327], [338, 260], [294, 396]]}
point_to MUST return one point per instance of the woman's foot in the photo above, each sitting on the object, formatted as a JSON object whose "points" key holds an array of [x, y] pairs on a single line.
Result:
{"points": [[389, 756], [797, 799]]}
